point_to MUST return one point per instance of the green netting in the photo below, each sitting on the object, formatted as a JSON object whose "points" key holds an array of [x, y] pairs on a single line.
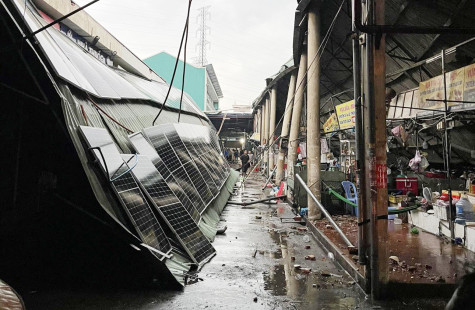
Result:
{"points": [[397, 211], [342, 198]]}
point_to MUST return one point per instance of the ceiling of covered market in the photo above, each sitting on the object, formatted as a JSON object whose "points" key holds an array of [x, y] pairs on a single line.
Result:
{"points": [[402, 50]]}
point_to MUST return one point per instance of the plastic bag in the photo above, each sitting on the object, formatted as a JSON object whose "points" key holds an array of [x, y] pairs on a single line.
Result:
{"points": [[414, 163]]}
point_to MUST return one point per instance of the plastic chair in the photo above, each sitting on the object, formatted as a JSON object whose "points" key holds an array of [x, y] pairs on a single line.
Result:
{"points": [[351, 196]]}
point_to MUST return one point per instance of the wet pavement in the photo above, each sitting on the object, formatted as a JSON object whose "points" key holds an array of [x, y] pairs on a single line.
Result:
{"points": [[421, 258], [254, 269]]}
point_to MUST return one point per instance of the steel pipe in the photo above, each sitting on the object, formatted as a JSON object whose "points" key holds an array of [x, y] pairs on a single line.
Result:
{"points": [[324, 211]]}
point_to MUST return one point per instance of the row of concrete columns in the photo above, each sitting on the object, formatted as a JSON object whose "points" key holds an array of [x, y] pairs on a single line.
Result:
{"points": [[371, 145], [307, 78]]}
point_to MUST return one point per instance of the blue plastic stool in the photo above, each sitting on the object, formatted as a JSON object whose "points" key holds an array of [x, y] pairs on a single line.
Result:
{"points": [[351, 196]]}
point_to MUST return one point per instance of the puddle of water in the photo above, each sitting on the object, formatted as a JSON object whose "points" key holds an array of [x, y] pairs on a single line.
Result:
{"points": [[274, 281]]}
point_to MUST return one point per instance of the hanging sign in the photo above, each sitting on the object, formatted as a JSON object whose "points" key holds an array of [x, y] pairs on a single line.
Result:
{"points": [[469, 83], [431, 89], [455, 84], [331, 124], [346, 114]]}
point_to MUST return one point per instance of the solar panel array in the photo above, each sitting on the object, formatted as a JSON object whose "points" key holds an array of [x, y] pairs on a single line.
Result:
{"points": [[180, 170], [170, 208], [126, 188]]}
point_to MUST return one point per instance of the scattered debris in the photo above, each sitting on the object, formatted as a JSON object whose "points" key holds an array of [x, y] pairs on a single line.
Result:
{"points": [[221, 230], [255, 299], [310, 257], [414, 231], [441, 280], [258, 217], [307, 247], [411, 268], [305, 270], [255, 253], [328, 226], [355, 258], [314, 285], [297, 267], [353, 250], [428, 266], [302, 229], [394, 260], [325, 274], [292, 258]]}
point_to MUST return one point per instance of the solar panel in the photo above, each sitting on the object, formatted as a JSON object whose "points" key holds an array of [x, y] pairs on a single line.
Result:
{"points": [[190, 136], [143, 147], [191, 237], [159, 141], [127, 190], [189, 166], [173, 212]]}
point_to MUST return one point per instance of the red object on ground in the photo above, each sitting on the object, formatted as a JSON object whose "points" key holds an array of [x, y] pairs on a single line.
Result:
{"points": [[281, 189], [407, 184]]}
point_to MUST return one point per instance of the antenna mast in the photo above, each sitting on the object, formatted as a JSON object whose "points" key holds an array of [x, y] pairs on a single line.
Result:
{"points": [[203, 30]]}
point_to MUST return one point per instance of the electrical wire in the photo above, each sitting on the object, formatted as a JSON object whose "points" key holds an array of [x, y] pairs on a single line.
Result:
{"points": [[185, 29], [184, 59], [106, 114], [126, 171]]}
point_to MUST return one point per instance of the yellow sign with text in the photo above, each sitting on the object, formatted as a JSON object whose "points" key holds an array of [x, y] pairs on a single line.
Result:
{"points": [[331, 124], [346, 114]]}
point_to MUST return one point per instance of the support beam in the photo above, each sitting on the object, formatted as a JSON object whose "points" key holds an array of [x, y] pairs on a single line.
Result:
{"points": [[295, 122], [375, 95], [273, 110], [363, 235], [266, 134], [285, 127], [263, 124], [313, 112]]}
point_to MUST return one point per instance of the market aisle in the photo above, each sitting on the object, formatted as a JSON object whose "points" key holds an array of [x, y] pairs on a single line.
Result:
{"points": [[253, 269]]}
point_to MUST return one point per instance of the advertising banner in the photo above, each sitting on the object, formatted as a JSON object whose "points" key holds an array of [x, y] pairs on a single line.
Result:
{"points": [[331, 124], [345, 113], [469, 84]]}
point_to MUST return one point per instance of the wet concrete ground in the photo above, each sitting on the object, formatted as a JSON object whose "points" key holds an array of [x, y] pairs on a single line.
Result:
{"points": [[423, 258], [253, 269]]}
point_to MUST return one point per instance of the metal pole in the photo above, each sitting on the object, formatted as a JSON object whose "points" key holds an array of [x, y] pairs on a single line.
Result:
{"points": [[313, 111], [270, 177], [447, 151], [285, 127], [324, 211], [363, 216]]}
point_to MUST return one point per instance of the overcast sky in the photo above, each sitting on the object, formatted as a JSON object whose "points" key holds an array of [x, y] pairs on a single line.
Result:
{"points": [[250, 39]]}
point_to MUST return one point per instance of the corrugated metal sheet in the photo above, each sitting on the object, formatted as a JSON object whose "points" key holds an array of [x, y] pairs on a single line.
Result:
{"points": [[79, 68]]}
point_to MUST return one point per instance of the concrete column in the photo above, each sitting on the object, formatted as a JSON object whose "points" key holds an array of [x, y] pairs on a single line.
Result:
{"points": [[295, 121], [285, 127], [266, 154], [273, 108], [263, 124], [313, 111]]}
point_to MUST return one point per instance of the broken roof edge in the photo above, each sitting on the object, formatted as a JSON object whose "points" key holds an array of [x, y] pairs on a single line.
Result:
{"points": [[283, 73]]}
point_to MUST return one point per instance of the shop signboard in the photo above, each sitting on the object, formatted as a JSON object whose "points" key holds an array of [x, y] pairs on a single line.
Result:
{"points": [[345, 113], [331, 124], [431, 89], [469, 83]]}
